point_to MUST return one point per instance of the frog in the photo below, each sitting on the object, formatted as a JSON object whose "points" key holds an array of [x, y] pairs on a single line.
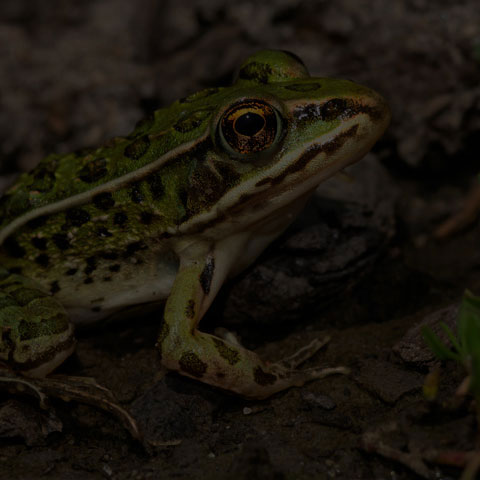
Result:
{"points": [[164, 216]]}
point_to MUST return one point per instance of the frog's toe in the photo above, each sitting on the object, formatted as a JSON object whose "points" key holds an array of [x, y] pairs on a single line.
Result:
{"points": [[302, 355], [276, 378], [309, 374], [228, 336]]}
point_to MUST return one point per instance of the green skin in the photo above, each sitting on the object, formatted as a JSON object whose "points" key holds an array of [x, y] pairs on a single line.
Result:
{"points": [[191, 197]]}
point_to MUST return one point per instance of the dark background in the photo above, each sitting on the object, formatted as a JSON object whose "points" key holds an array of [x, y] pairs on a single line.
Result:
{"points": [[361, 263]]}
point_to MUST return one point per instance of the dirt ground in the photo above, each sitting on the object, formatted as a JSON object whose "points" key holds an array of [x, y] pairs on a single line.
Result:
{"points": [[361, 264]]}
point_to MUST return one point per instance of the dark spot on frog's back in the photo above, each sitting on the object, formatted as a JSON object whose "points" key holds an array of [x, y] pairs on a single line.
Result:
{"points": [[263, 378], [43, 260], [40, 243], [133, 248], [37, 222], [136, 193], [13, 248], [256, 71], [54, 287], [120, 218], [146, 218], [93, 171], [138, 148], [207, 275], [103, 201], [61, 240], [43, 180], [193, 121], [190, 363], [91, 265], [156, 186], [77, 217], [109, 255], [103, 232]]}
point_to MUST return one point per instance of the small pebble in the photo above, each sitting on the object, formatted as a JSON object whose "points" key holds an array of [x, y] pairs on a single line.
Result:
{"points": [[322, 401]]}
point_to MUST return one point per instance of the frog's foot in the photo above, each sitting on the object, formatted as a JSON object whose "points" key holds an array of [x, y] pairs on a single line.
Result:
{"points": [[286, 369], [234, 368], [302, 355], [81, 389]]}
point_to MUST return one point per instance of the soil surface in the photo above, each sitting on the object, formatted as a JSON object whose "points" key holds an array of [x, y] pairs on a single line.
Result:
{"points": [[361, 264]]}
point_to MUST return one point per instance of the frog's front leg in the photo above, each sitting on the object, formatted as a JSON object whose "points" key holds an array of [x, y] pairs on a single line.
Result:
{"points": [[207, 358]]}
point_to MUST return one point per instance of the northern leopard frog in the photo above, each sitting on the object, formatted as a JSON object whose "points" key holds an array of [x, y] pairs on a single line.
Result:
{"points": [[188, 199]]}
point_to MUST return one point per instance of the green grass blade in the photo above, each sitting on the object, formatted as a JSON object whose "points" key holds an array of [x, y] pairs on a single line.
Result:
{"points": [[440, 350], [469, 326], [451, 336]]}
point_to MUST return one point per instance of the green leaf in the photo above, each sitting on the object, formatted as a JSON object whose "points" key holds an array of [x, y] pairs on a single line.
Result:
{"points": [[469, 333], [469, 326], [440, 350], [451, 336]]}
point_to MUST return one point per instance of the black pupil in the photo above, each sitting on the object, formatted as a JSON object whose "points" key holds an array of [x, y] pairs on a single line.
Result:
{"points": [[249, 124]]}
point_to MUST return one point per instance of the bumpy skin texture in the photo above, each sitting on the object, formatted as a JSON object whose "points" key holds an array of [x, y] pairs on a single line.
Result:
{"points": [[192, 196]]}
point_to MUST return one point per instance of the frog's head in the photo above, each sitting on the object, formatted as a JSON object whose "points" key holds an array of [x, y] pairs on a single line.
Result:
{"points": [[278, 132]]}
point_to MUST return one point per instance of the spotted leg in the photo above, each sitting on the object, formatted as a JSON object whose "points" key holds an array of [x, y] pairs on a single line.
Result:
{"points": [[36, 336], [35, 333], [208, 358]]}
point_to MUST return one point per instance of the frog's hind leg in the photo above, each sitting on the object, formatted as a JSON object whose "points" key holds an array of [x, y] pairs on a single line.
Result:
{"points": [[36, 335]]}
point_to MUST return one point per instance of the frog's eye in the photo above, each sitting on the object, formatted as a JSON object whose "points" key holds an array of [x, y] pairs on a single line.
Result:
{"points": [[249, 127]]}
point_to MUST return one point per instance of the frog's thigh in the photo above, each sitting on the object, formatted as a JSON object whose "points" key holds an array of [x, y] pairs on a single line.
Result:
{"points": [[35, 333], [208, 358]]}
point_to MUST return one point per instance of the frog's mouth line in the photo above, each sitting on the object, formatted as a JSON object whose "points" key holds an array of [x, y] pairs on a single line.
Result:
{"points": [[287, 193], [311, 153]]}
